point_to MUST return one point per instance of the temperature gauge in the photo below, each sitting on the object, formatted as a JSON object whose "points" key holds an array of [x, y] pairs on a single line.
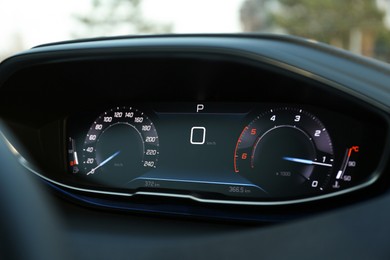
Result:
{"points": [[349, 163]]}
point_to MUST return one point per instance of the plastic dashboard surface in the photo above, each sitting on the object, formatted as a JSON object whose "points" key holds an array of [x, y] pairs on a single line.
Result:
{"points": [[235, 127]]}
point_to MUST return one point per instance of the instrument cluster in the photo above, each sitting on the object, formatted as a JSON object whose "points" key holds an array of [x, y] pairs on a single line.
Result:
{"points": [[234, 153]]}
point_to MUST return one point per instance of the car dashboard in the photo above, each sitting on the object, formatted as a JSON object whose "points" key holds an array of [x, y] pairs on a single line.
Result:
{"points": [[226, 127]]}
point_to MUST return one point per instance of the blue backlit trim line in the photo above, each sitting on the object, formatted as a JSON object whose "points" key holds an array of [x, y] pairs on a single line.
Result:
{"points": [[168, 211], [27, 165], [200, 182]]}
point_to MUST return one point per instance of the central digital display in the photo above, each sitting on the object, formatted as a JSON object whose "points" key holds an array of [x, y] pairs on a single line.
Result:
{"points": [[215, 151]]}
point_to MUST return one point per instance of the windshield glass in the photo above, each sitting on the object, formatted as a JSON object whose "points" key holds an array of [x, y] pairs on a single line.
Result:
{"points": [[360, 26]]}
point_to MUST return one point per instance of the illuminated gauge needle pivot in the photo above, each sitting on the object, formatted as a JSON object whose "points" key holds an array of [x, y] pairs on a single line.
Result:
{"points": [[92, 171], [305, 161]]}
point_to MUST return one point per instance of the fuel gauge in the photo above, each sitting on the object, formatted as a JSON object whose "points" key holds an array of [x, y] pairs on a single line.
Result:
{"points": [[72, 156]]}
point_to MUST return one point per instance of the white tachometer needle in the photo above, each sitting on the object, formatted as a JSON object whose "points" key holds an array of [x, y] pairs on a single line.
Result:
{"points": [[103, 163], [305, 161]]}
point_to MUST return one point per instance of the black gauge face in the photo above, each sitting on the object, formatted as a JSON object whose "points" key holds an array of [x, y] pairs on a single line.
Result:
{"points": [[231, 152], [121, 145], [286, 151]]}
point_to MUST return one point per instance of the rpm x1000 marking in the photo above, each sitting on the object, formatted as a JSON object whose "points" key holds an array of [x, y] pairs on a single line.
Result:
{"points": [[287, 151], [121, 145]]}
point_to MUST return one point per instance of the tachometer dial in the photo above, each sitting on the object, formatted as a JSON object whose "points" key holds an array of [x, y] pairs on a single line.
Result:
{"points": [[121, 145], [287, 151]]}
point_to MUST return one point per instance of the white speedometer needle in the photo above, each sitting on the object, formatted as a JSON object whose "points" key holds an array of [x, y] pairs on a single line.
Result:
{"points": [[103, 163], [305, 161]]}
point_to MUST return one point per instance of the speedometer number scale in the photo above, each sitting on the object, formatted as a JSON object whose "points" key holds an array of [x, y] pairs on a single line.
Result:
{"points": [[120, 146], [286, 151]]}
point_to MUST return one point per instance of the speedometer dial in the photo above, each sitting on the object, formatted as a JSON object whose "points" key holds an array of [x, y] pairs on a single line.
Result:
{"points": [[287, 151], [120, 146]]}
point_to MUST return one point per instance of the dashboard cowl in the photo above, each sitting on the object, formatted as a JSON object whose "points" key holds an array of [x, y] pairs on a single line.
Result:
{"points": [[50, 87]]}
